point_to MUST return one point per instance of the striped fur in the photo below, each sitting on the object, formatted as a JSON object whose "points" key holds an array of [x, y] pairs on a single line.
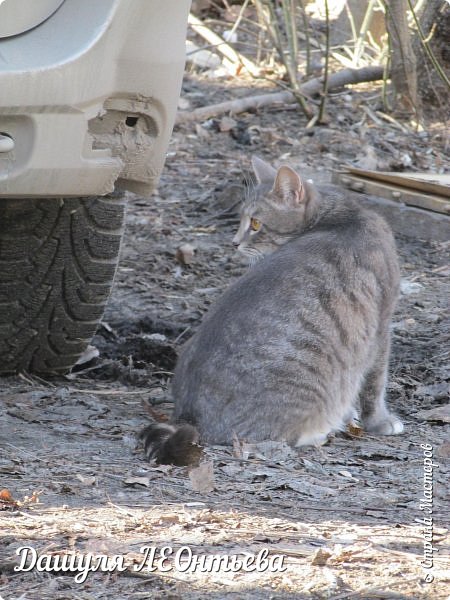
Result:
{"points": [[300, 343]]}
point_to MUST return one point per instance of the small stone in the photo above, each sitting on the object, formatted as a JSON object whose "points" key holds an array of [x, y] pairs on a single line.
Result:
{"points": [[226, 124], [410, 287], [230, 36], [184, 104], [185, 254]]}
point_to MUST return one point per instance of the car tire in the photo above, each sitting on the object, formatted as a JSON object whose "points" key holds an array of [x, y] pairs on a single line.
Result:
{"points": [[58, 258]]}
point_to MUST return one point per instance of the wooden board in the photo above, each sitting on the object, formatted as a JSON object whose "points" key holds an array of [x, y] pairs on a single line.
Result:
{"points": [[426, 182], [424, 190]]}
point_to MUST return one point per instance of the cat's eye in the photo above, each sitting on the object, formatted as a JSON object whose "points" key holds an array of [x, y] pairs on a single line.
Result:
{"points": [[255, 225]]}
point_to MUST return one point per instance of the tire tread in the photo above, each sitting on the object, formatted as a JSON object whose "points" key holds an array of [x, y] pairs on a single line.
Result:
{"points": [[58, 258]]}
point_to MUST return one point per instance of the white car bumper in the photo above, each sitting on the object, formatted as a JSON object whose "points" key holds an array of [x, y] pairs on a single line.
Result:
{"points": [[89, 96]]}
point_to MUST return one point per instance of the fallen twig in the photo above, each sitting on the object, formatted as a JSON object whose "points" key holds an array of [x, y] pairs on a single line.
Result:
{"points": [[234, 60], [310, 88]]}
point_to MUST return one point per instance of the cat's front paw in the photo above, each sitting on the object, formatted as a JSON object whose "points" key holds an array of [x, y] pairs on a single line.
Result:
{"points": [[388, 425]]}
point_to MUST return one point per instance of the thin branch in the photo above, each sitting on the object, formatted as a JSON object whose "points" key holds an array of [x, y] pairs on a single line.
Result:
{"points": [[308, 89], [426, 45], [327, 59], [360, 42], [290, 63], [239, 18], [306, 35]]}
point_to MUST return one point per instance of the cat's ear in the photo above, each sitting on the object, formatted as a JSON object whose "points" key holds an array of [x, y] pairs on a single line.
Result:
{"points": [[289, 187], [264, 172]]}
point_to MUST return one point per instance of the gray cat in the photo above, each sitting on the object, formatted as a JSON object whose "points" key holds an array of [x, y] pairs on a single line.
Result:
{"points": [[300, 344]]}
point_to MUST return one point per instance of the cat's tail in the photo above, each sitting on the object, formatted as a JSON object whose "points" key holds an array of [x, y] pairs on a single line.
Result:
{"points": [[171, 444]]}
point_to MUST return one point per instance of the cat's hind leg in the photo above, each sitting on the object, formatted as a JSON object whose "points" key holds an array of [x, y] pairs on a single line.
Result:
{"points": [[317, 428], [375, 416], [318, 438]]}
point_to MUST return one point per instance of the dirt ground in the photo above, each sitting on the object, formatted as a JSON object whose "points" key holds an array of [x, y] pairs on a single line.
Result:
{"points": [[346, 517]]}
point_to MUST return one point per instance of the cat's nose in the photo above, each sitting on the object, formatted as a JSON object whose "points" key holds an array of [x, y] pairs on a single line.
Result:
{"points": [[236, 241]]}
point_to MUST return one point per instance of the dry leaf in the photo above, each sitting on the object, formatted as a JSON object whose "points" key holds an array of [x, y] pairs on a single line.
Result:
{"points": [[169, 519], [202, 477], [33, 499], [5, 496], [7, 502], [341, 555], [355, 430], [320, 557], [155, 414]]}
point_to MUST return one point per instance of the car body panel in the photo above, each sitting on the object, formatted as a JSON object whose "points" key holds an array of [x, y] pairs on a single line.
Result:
{"points": [[89, 97], [19, 16]]}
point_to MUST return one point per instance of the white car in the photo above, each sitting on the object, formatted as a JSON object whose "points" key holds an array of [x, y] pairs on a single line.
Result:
{"points": [[89, 91]]}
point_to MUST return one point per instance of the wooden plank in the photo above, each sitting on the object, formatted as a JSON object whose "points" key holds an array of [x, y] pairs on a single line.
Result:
{"points": [[393, 192], [429, 183]]}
